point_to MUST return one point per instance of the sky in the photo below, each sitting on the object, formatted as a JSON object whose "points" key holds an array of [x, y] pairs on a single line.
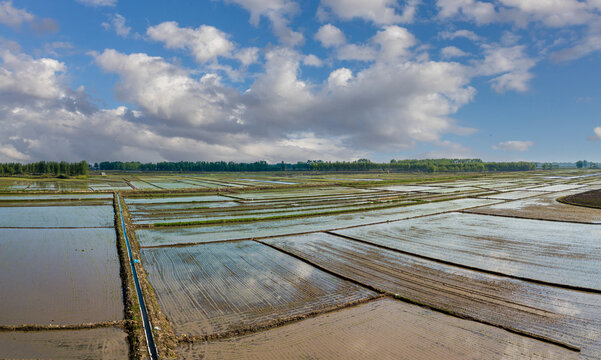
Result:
{"points": [[288, 80]]}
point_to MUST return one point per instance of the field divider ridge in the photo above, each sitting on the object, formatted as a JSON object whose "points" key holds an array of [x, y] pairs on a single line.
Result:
{"points": [[147, 326]]}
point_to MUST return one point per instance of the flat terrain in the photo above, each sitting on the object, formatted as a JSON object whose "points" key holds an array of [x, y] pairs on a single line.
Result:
{"points": [[208, 233], [524, 307], [59, 276], [302, 266], [56, 216], [382, 329], [215, 288], [92, 344], [548, 251], [544, 207]]}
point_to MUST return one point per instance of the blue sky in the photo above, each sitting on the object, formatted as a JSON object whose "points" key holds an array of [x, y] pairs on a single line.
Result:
{"points": [[274, 80]]}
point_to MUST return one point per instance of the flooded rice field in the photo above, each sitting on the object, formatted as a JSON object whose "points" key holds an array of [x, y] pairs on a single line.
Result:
{"points": [[56, 216], [302, 266], [89, 344], [216, 288], [544, 207], [381, 329], [553, 252], [208, 233], [59, 276], [562, 315]]}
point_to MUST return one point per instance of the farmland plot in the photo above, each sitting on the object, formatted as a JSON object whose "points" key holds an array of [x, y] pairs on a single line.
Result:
{"points": [[92, 344], [296, 193], [188, 235], [163, 217], [142, 185], [512, 195], [565, 316], [554, 188], [216, 288], [382, 329], [56, 216], [55, 197], [553, 252], [544, 207], [59, 276], [176, 199]]}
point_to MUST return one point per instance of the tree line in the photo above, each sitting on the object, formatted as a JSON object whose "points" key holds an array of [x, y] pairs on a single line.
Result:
{"points": [[45, 168], [426, 165]]}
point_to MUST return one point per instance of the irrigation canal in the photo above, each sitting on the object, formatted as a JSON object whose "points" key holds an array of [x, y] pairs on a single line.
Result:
{"points": [[152, 350]]}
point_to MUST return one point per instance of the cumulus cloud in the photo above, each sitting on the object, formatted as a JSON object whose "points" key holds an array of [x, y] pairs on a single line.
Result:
{"points": [[312, 60], [23, 75], [460, 34], [329, 36], [511, 64], [205, 42], [450, 52], [247, 56], [376, 11], [278, 13], [339, 77], [395, 102], [15, 18], [12, 16], [596, 134], [514, 145], [117, 23]]}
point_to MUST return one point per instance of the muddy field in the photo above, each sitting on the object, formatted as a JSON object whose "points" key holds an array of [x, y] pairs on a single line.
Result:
{"points": [[382, 329], [302, 266], [588, 199], [92, 344], [59, 276], [548, 251], [56, 216], [223, 287], [545, 207], [561, 315]]}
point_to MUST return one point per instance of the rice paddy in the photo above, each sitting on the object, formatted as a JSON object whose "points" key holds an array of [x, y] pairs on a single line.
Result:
{"points": [[302, 265], [216, 288]]}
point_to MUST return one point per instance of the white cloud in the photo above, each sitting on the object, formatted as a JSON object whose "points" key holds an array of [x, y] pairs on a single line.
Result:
{"points": [[166, 91], [97, 3], [480, 12], [394, 41], [183, 114], [596, 134], [511, 64], [117, 22], [356, 52], [205, 42], [312, 60], [278, 12], [330, 36], [22, 75], [8, 153], [590, 43], [449, 52], [247, 56], [514, 145], [460, 33], [339, 77], [13, 17], [377, 11]]}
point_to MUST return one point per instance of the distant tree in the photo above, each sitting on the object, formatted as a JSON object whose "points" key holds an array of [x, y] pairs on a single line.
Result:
{"points": [[579, 164]]}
